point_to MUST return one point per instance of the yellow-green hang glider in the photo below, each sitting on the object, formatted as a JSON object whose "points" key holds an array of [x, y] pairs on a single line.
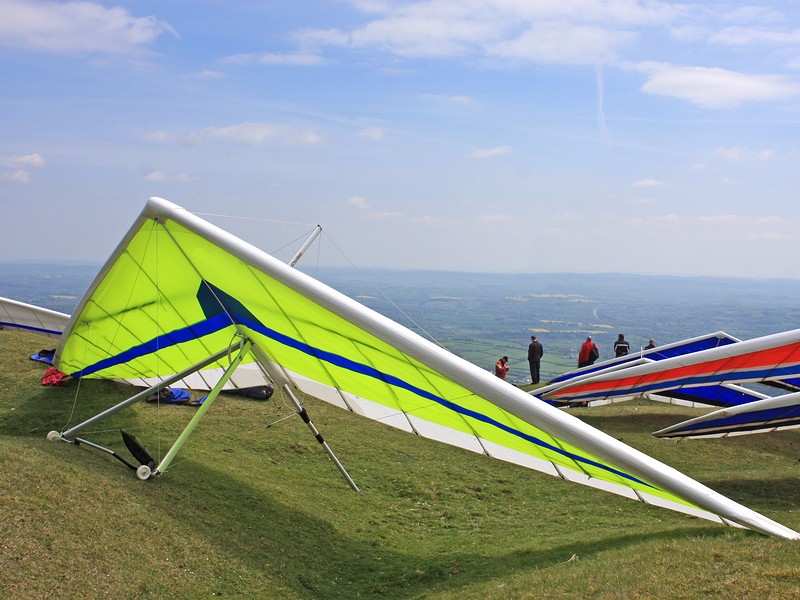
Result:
{"points": [[179, 294]]}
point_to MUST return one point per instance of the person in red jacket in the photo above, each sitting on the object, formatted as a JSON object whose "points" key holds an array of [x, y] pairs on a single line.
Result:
{"points": [[501, 368], [588, 354]]}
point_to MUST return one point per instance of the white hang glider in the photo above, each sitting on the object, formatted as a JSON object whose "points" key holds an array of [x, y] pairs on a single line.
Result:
{"points": [[19, 315], [778, 413], [180, 295]]}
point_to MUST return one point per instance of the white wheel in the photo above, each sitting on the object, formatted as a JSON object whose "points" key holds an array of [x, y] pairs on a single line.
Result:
{"points": [[143, 472], [53, 436]]}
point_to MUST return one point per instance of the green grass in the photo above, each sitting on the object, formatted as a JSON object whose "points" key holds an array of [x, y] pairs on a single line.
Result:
{"points": [[257, 511]]}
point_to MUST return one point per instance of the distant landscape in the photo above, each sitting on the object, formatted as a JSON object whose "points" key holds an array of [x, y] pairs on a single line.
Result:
{"points": [[481, 317]]}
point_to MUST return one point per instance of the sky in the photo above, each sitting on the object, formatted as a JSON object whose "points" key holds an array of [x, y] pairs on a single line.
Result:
{"points": [[466, 135]]}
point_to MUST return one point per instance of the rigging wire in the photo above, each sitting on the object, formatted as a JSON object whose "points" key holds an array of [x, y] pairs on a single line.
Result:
{"points": [[383, 295]]}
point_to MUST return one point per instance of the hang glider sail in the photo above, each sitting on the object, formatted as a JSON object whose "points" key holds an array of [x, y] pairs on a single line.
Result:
{"points": [[765, 359], [19, 315], [762, 416], [695, 344], [179, 293], [718, 395]]}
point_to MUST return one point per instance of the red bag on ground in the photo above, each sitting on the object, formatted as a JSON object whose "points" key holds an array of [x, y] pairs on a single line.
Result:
{"points": [[55, 377]]}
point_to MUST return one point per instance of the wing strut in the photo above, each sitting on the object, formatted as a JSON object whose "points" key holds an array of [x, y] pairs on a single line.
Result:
{"points": [[144, 471], [299, 254], [268, 367], [64, 436]]}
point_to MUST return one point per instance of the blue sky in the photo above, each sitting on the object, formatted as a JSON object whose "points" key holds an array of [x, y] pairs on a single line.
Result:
{"points": [[477, 135]]}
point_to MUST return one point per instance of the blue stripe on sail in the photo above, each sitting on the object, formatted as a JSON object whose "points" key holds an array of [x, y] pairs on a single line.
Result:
{"points": [[728, 376], [222, 320], [785, 415], [356, 367], [173, 338], [717, 395], [29, 328]]}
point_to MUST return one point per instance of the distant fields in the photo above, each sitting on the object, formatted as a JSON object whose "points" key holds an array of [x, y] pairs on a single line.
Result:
{"points": [[481, 317]]}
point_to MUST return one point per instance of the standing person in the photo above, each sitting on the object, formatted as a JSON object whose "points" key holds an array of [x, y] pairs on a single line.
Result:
{"points": [[589, 353], [650, 345], [621, 347], [501, 368], [535, 352]]}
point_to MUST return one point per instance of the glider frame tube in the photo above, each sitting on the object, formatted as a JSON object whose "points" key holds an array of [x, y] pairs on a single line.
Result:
{"points": [[266, 365], [144, 394], [165, 462]]}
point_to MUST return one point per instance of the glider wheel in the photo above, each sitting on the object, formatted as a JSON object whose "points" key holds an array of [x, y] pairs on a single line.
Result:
{"points": [[53, 436], [143, 473]]}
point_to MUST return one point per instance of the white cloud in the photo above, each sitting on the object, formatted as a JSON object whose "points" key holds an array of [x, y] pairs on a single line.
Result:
{"points": [[490, 152], [20, 165], [299, 59], [720, 218], [654, 221], [159, 137], [251, 133], [76, 27], [26, 160], [208, 74], [716, 88], [739, 153], [496, 218], [386, 215], [564, 32], [255, 134], [161, 176], [358, 202], [566, 216], [451, 100], [17, 176], [372, 133], [747, 36], [648, 182], [562, 42]]}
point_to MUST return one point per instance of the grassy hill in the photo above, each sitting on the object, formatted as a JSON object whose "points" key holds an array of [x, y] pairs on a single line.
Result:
{"points": [[253, 508]]}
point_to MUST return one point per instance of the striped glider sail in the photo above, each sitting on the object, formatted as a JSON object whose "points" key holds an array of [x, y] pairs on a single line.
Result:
{"points": [[695, 344], [762, 416], [19, 315], [719, 395], [178, 289], [769, 358]]}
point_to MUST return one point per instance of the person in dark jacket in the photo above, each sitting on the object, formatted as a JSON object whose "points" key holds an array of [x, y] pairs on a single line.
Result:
{"points": [[621, 347], [535, 352]]}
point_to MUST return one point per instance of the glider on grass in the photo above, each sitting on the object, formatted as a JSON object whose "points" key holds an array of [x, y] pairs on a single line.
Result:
{"points": [[179, 295], [772, 359], [762, 416], [723, 394], [18, 315]]}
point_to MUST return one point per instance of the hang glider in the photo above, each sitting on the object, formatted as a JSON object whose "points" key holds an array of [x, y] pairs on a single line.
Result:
{"points": [[29, 317], [772, 358], [19, 315], [762, 416], [720, 395], [695, 344], [179, 294]]}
